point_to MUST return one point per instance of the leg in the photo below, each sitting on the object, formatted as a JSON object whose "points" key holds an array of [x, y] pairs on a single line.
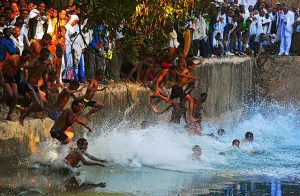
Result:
{"points": [[96, 108], [282, 45], [13, 101], [58, 70], [288, 41], [35, 106], [191, 106]]}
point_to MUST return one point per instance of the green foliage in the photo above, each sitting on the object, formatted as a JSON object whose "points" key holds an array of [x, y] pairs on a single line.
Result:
{"points": [[147, 22]]}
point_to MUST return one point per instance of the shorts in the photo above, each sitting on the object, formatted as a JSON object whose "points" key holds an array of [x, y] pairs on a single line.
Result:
{"points": [[58, 134], [54, 115], [88, 103], [177, 92], [9, 79]]}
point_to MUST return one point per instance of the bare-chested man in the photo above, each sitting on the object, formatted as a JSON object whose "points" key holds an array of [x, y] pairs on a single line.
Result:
{"points": [[66, 120], [184, 78], [63, 99], [37, 46], [8, 69], [37, 69], [90, 92], [78, 154]]}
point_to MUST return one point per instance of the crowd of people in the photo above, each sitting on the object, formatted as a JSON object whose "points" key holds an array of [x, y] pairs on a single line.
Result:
{"points": [[43, 49]]}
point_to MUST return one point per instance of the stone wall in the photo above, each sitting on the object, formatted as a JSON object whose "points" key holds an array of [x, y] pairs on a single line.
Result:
{"points": [[279, 79], [228, 83]]}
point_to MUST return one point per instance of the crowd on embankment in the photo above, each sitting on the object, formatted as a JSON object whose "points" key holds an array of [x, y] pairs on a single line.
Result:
{"points": [[42, 49]]}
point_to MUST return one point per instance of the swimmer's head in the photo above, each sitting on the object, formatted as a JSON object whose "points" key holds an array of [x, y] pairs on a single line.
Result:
{"points": [[221, 132], [82, 144], [236, 143], [197, 152], [249, 137], [74, 85], [144, 124]]}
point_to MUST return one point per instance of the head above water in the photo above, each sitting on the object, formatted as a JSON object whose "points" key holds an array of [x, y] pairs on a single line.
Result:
{"points": [[197, 152], [144, 124], [221, 132], [236, 143], [82, 144], [249, 137]]}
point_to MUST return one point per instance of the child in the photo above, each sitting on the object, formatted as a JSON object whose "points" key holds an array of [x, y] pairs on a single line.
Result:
{"points": [[76, 155], [197, 152]]}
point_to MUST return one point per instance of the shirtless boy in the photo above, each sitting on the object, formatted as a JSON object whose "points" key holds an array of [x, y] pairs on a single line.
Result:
{"points": [[160, 80], [63, 99], [8, 69], [66, 120], [37, 46], [78, 154], [184, 78], [37, 69], [90, 92]]}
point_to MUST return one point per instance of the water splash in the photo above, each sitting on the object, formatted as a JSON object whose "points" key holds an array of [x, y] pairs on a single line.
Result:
{"points": [[274, 152]]}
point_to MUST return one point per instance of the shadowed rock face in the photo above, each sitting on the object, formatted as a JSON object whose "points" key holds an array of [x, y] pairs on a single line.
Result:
{"points": [[279, 80], [227, 81]]}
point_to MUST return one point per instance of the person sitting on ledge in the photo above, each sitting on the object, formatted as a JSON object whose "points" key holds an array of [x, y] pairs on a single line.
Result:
{"points": [[76, 155], [61, 128]]}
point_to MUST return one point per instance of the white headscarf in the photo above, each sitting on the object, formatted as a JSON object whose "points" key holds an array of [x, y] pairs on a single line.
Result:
{"points": [[73, 18], [33, 13]]}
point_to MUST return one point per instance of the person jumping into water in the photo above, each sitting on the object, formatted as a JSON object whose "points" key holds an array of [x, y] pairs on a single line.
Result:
{"points": [[90, 92], [77, 154], [61, 127]]}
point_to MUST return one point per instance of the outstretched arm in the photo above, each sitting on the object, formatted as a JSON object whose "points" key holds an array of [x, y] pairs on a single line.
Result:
{"points": [[94, 158], [79, 121], [86, 162]]}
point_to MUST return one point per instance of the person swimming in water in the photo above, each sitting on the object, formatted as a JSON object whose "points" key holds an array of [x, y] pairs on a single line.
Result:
{"points": [[197, 152], [236, 143], [144, 124], [248, 137], [77, 154]]}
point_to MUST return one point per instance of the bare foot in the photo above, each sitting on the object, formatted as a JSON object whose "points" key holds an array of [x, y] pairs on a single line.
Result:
{"points": [[88, 117]]}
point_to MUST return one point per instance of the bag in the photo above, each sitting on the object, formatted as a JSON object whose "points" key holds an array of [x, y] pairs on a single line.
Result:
{"points": [[68, 74]]}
